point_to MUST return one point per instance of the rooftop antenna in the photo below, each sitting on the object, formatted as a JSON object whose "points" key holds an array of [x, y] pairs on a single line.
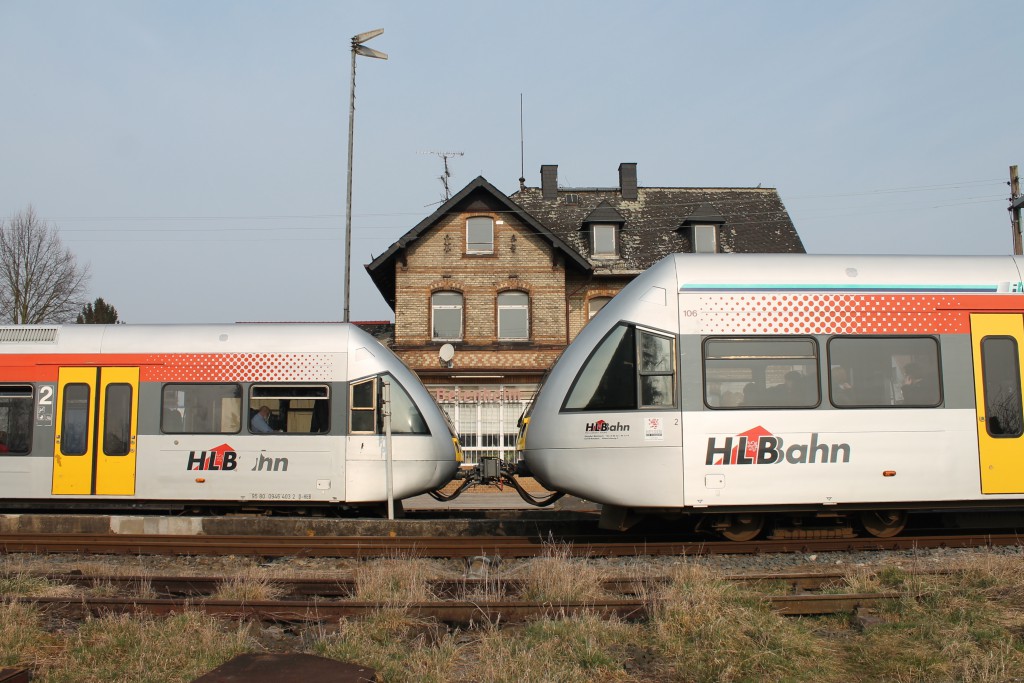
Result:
{"points": [[445, 156], [522, 155]]}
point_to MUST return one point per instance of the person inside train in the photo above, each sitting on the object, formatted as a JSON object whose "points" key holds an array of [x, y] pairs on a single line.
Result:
{"points": [[842, 389], [260, 422], [792, 392], [3, 443], [918, 387], [752, 394], [172, 419]]}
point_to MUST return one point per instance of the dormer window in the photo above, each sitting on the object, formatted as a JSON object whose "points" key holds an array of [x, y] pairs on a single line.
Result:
{"points": [[604, 240], [603, 224], [480, 235], [702, 228]]}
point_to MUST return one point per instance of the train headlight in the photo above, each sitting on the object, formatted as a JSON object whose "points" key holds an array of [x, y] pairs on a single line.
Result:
{"points": [[521, 438]]}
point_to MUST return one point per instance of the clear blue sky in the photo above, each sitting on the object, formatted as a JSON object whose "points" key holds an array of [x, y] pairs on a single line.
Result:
{"points": [[194, 152]]}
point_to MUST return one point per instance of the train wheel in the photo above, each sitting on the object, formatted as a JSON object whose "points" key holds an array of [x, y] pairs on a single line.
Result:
{"points": [[883, 523], [742, 527]]}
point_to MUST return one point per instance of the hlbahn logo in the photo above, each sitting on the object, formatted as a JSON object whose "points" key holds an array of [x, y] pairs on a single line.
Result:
{"points": [[602, 426], [223, 457], [758, 446]]}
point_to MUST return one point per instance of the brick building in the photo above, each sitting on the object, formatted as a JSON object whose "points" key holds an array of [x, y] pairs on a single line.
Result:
{"points": [[505, 283]]}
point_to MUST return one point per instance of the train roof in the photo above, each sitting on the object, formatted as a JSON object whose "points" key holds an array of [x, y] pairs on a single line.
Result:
{"points": [[847, 272], [207, 338]]}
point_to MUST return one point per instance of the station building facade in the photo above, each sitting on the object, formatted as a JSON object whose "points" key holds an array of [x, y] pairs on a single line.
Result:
{"points": [[489, 289]]}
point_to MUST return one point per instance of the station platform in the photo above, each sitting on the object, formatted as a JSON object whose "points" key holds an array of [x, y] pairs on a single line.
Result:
{"points": [[480, 511]]}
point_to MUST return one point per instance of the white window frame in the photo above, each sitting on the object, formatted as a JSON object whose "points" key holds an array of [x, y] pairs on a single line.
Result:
{"points": [[702, 239], [479, 247], [609, 227], [434, 307], [509, 307]]}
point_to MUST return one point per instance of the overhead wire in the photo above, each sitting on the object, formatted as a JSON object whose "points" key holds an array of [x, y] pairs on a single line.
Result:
{"points": [[387, 232]]}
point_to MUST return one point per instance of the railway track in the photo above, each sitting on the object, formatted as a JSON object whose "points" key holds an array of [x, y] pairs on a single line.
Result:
{"points": [[343, 588], [464, 547], [459, 601]]}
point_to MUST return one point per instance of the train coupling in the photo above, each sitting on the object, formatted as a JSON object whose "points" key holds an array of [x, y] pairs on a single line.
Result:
{"points": [[493, 471]]}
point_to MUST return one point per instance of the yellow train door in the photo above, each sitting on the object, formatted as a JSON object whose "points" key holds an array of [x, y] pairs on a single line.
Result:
{"points": [[96, 431], [996, 339]]}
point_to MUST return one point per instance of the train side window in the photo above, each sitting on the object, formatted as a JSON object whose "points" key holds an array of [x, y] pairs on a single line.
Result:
{"points": [[630, 369], [366, 415], [608, 378], [1000, 371], [406, 418], [883, 372], [74, 435], [657, 371], [117, 419], [294, 409], [16, 412], [743, 373], [363, 407], [201, 409]]}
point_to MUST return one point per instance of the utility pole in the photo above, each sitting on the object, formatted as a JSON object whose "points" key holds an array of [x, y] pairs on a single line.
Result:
{"points": [[1016, 201], [357, 49]]}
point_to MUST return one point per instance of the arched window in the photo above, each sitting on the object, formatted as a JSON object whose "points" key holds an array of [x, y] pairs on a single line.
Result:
{"points": [[596, 304], [513, 315], [446, 316], [480, 235]]}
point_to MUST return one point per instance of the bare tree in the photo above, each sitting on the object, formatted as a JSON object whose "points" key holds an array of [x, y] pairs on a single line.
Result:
{"points": [[40, 279]]}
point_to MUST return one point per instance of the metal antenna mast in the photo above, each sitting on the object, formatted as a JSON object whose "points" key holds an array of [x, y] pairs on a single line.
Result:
{"points": [[447, 174]]}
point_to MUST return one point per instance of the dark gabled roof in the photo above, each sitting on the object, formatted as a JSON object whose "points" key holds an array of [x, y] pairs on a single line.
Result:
{"points": [[753, 220], [382, 268], [705, 213], [604, 213]]}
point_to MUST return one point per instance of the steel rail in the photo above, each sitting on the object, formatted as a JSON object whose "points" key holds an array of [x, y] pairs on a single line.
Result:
{"points": [[453, 612], [462, 547], [342, 587]]}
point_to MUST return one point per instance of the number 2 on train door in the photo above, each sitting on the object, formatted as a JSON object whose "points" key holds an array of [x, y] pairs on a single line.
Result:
{"points": [[96, 431]]}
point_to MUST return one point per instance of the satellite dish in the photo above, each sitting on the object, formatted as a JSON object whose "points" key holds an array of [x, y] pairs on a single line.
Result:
{"points": [[446, 353]]}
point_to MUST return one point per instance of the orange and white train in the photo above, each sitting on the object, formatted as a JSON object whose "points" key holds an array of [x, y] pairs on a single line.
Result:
{"points": [[201, 416], [738, 390]]}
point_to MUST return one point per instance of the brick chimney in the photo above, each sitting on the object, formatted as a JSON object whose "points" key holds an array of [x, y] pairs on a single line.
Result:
{"points": [[549, 181], [627, 180]]}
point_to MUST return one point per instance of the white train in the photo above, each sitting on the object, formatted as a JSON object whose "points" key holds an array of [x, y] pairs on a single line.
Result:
{"points": [[197, 416], [823, 389]]}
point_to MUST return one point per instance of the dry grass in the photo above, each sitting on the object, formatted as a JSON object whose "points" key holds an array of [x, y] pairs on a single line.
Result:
{"points": [[398, 646], [32, 586], [965, 625], [707, 629], [250, 585], [24, 640], [557, 577], [396, 581], [118, 648]]}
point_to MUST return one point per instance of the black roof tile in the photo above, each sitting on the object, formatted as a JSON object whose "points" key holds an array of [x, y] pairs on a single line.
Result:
{"points": [[754, 220]]}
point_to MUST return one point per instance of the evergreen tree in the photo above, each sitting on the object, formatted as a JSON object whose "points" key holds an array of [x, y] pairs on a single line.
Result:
{"points": [[97, 313]]}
